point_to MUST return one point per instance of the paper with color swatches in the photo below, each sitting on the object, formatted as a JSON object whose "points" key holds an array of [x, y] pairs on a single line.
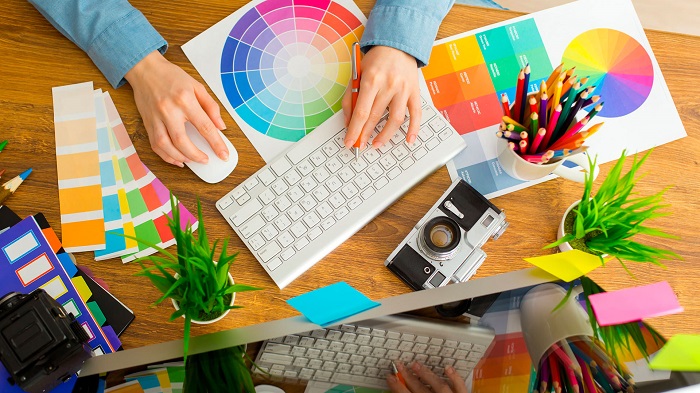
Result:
{"points": [[118, 196], [330, 304], [680, 353], [568, 265], [634, 304]]}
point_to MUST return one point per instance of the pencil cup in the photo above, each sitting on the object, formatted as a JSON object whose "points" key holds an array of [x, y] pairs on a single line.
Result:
{"points": [[518, 168], [543, 327]]}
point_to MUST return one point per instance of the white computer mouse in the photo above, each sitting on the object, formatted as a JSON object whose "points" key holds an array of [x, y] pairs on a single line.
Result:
{"points": [[216, 169]]}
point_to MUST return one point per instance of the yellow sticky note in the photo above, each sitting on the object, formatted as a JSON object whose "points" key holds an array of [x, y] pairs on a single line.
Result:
{"points": [[82, 288], [568, 265], [680, 353]]}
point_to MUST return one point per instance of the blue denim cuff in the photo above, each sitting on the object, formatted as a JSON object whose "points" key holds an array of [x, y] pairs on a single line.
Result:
{"points": [[408, 29], [123, 44]]}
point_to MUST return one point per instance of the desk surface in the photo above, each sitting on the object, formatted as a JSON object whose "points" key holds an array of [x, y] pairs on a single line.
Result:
{"points": [[36, 57]]}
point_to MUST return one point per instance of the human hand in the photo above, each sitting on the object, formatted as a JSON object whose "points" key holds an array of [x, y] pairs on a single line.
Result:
{"points": [[423, 376], [389, 79], [167, 97]]}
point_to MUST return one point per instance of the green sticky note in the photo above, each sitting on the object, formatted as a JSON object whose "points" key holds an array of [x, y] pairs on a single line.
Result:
{"points": [[680, 353], [568, 265], [96, 313]]}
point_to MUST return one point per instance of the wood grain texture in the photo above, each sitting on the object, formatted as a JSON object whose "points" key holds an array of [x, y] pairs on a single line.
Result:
{"points": [[36, 57]]}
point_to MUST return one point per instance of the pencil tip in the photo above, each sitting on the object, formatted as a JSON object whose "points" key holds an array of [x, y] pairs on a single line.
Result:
{"points": [[26, 173]]}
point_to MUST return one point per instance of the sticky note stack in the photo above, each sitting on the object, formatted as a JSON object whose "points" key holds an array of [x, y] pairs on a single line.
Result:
{"points": [[105, 190]]}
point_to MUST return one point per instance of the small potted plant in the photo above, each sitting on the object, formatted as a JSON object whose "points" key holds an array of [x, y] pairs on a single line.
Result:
{"points": [[604, 225], [196, 280]]}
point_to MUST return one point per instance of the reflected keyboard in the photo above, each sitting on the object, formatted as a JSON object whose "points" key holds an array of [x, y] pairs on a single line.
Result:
{"points": [[361, 354], [310, 199]]}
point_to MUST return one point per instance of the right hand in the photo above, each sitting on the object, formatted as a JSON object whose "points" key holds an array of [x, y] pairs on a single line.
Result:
{"points": [[423, 376]]}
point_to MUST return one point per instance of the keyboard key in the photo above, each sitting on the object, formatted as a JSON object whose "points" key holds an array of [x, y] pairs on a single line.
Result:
{"points": [[321, 174], [465, 346], [405, 346], [269, 232], [432, 350], [290, 374], [318, 333], [281, 349], [381, 182], [269, 213], [415, 145], [282, 203], [366, 194], [346, 174], [308, 184], [291, 339], [437, 123], [334, 183], [433, 361], [303, 242], [387, 162], [329, 366], [428, 114], [421, 358], [451, 343], [317, 158], [394, 172], [292, 177], [256, 242], [305, 167], [343, 358], [447, 362], [320, 344], [348, 337], [350, 348], [474, 356], [295, 194], [321, 193], [342, 212], [445, 134], [224, 203], [354, 203], [295, 212], [333, 165], [383, 149], [363, 339], [308, 203], [250, 184], [298, 229], [285, 239], [269, 251], [433, 143], [420, 153], [406, 356], [378, 332], [267, 196], [337, 200], [371, 155], [306, 373], [349, 191], [276, 359], [460, 354], [478, 348], [274, 264], [359, 165], [286, 254], [243, 199], [398, 138], [281, 166], [266, 177], [339, 138], [245, 212], [327, 223], [334, 335], [377, 341], [424, 134], [324, 210], [436, 341], [330, 148], [327, 355], [252, 226], [393, 355], [362, 181], [371, 371], [315, 364], [406, 163], [311, 219], [336, 346], [420, 347], [447, 352], [314, 233], [364, 350], [422, 339], [346, 156], [408, 337], [391, 344]]}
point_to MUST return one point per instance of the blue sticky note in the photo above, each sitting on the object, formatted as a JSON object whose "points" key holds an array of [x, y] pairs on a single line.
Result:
{"points": [[330, 304]]}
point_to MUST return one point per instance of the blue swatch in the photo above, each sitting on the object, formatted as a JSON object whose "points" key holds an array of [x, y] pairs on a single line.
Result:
{"points": [[330, 304]]}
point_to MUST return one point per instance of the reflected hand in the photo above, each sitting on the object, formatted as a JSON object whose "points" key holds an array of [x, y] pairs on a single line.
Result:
{"points": [[423, 378]]}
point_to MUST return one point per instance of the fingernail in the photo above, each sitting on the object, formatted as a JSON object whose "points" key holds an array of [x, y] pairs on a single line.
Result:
{"points": [[223, 155], [181, 165], [415, 366], [221, 121], [391, 378], [399, 366], [377, 145], [204, 160], [411, 139], [449, 370]]}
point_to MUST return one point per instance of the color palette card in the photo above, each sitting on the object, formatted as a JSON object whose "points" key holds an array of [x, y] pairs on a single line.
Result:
{"points": [[129, 387], [467, 74], [330, 304], [78, 167], [280, 67], [634, 304]]}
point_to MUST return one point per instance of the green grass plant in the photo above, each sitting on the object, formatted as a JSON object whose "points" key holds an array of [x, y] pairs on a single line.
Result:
{"points": [[195, 277]]}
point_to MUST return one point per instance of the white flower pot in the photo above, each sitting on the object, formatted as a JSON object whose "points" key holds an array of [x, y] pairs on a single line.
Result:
{"points": [[233, 297], [560, 232]]}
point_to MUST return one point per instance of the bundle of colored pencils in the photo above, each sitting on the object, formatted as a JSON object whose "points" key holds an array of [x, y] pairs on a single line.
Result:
{"points": [[543, 126], [580, 365]]}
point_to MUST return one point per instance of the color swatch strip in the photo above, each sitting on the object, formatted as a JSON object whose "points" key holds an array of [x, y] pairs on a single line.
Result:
{"points": [[78, 167]]}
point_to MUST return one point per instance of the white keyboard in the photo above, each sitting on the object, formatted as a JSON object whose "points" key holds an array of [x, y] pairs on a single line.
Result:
{"points": [[361, 355], [300, 207]]}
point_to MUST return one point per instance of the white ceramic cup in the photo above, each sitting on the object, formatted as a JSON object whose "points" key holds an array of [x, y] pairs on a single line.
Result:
{"points": [[543, 327], [521, 169]]}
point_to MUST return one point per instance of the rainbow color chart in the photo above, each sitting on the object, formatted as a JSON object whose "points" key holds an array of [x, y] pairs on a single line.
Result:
{"points": [[468, 73], [617, 64], [284, 66]]}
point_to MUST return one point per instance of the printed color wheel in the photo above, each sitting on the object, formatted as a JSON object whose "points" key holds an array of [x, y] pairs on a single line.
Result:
{"points": [[617, 64], [286, 64]]}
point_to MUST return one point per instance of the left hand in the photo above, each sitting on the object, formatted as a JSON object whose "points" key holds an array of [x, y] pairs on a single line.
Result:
{"points": [[423, 376]]}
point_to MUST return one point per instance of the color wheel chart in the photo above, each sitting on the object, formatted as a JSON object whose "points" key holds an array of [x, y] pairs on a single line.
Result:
{"points": [[617, 64], [282, 66]]}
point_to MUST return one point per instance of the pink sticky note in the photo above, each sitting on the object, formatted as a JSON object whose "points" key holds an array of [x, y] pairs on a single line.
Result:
{"points": [[634, 304]]}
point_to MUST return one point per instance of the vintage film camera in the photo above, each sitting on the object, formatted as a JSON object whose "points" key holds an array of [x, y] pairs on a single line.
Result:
{"points": [[40, 345], [446, 243]]}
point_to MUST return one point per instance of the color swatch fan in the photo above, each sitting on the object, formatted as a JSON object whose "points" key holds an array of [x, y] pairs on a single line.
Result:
{"points": [[280, 67], [617, 64]]}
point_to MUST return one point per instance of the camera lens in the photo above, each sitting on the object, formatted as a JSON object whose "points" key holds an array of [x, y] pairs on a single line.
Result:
{"points": [[439, 238]]}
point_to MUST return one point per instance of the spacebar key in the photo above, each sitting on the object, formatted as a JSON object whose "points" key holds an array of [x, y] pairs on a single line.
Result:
{"points": [[245, 212], [277, 359]]}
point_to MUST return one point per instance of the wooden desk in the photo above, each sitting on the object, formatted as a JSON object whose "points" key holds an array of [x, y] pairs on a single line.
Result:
{"points": [[35, 57]]}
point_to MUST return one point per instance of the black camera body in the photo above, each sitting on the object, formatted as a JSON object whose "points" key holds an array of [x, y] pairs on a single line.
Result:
{"points": [[445, 245], [41, 346]]}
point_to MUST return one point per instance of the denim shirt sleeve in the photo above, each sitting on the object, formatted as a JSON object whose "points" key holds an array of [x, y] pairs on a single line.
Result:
{"points": [[407, 25], [114, 34]]}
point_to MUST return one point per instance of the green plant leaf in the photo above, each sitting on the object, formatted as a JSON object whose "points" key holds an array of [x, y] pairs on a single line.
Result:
{"points": [[240, 288]]}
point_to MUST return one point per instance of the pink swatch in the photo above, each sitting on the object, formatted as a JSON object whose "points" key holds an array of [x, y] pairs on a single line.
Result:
{"points": [[634, 304]]}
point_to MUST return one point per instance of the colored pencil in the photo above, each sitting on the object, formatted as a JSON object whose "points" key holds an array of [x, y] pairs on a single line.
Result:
{"points": [[544, 100], [596, 109], [1, 172], [570, 73], [523, 145], [534, 125], [513, 146], [11, 185], [526, 88], [594, 128], [574, 110], [554, 371], [591, 101], [518, 94], [506, 104], [533, 104], [555, 74], [2, 145], [575, 128], [537, 141], [568, 85], [565, 109]]}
